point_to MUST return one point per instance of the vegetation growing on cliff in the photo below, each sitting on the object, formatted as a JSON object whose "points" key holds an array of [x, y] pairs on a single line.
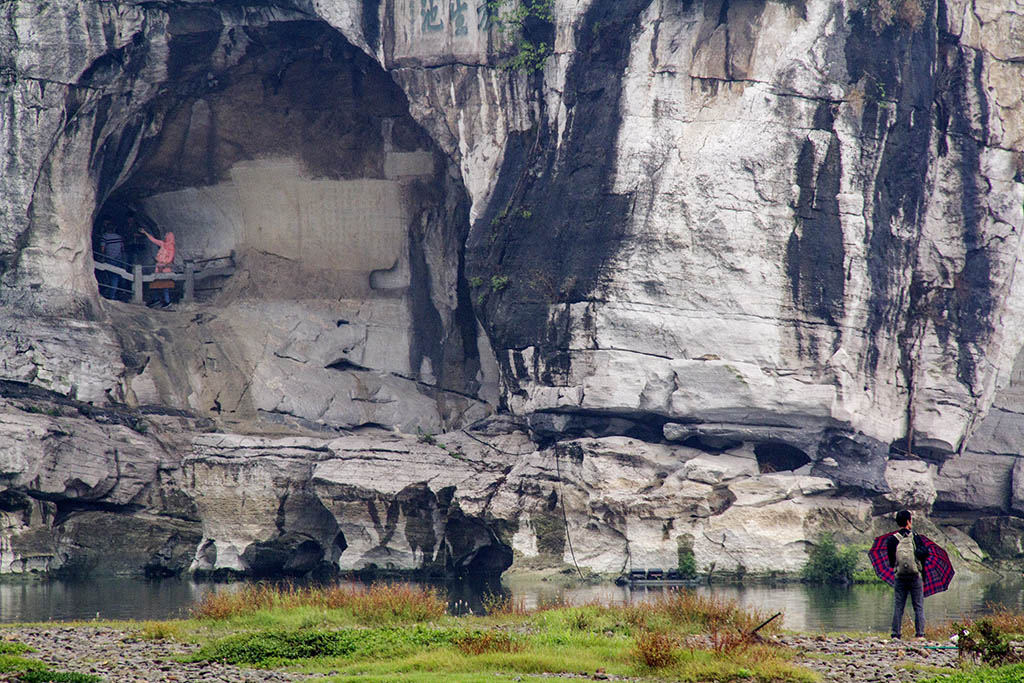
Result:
{"points": [[529, 25]]}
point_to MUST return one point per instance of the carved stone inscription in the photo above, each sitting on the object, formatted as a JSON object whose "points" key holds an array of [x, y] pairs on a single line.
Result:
{"points": [[436, 31]]}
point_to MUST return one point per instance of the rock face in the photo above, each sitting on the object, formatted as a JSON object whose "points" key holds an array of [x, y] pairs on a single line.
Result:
{"points": [[743, 270], [88, 488]]}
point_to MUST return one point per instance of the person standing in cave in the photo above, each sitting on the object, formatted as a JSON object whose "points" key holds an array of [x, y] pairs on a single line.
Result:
{"points": [[112, 252], [164, 257], [136, 245]]}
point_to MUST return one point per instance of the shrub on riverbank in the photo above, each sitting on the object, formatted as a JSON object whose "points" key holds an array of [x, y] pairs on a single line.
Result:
{"points": [[681, 635], [830, 564]]}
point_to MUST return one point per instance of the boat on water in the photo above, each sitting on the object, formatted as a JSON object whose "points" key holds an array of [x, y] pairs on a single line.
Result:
{"points": [[654, 577]]}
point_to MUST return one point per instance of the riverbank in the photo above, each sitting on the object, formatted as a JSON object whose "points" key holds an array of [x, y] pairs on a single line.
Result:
{"points": [[125, 654], [121, 653], [404, 633]]}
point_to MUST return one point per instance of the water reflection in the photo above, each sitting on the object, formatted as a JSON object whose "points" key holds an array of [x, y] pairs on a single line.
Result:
{"points": [[830, 608], [107, 598], [805, 608]]}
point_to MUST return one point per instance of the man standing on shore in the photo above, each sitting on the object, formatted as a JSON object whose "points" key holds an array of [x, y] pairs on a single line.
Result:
{"points": [[907, 555]]}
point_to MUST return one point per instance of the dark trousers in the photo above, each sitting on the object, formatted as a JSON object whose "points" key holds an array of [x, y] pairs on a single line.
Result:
{"points": [[914, 587], [111, 284]]}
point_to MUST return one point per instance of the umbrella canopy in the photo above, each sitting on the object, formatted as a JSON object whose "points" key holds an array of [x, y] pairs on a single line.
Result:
{"points": [[938, 570]]}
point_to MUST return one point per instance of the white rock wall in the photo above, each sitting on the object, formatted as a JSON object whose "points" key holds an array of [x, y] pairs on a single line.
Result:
{"points": [[710, 158], [694, 316], [627, 503]]}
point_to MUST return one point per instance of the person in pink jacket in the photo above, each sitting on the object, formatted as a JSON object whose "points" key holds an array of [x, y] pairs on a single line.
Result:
{"points": [[164, 257]]}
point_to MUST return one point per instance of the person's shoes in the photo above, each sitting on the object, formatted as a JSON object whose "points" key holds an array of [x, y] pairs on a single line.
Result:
{"points": [[895, 636]]}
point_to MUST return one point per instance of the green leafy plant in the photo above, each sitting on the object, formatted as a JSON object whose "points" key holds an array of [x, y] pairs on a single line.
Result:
{"points": [[499, 282], [513, 20], [687, 563], [530, 57], [431, 440], [987, 642], [476, 281], [830, 564]]}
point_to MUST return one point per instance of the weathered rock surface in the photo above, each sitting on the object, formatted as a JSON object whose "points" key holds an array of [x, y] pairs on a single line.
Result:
{"points": [[747, 270], [471, 501], [821, 304], [90, 489]]}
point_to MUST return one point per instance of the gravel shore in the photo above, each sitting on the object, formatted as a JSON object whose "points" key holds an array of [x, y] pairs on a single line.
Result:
{"points": [[119, 656], [867, 659]]}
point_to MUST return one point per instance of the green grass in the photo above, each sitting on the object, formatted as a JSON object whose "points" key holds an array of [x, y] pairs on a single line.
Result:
{"points": [[1013, 673], [11, 647], [429, 677], [268, 648], [869, 577], [48, 676], [14, 664], [403, 634], [33, 671]]}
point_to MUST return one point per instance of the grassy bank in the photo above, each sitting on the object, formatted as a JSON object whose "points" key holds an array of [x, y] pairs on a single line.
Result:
{"points": [[403, 633], [17, 665]]}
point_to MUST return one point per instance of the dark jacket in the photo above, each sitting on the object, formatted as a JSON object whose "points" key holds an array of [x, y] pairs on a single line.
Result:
{"points": [[920, 552]]}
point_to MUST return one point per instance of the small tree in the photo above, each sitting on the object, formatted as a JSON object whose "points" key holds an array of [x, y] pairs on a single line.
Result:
{"points": [[830, 564], [687, 562]]}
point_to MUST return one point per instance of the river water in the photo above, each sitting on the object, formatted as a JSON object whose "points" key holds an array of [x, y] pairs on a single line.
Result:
{"points": [[804, 608]]}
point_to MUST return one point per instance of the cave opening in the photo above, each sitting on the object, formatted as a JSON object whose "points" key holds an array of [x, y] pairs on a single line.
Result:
{"points": [[775, 456], [122, 252], [281, 147], [316, 222]]}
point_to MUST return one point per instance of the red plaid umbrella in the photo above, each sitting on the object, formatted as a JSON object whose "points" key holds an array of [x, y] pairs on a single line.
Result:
{"points": [[938, 570]]}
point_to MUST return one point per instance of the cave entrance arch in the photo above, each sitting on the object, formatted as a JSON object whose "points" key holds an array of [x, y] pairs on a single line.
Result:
{"points": [[289, 147], [277, 143]]}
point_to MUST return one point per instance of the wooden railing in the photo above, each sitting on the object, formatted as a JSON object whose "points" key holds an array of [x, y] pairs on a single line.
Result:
{"points": [[194, 271]]}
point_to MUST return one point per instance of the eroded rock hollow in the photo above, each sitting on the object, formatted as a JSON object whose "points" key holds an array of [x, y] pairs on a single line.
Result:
{"points": [[714, 277]]}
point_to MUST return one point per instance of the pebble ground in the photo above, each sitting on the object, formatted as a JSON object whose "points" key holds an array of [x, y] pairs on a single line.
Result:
{"points": [[867, 659], [119, 656]]}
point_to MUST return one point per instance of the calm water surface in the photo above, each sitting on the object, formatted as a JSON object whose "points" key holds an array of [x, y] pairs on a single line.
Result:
{"points": [[806, 608]]}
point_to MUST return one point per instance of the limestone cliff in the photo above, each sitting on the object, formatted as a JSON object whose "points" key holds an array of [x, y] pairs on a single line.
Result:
{"points": [[743, 271]]}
